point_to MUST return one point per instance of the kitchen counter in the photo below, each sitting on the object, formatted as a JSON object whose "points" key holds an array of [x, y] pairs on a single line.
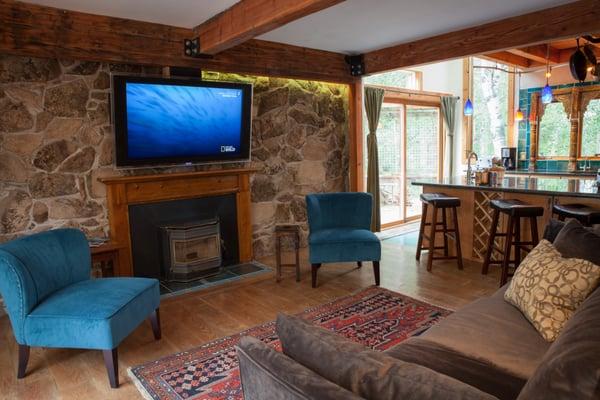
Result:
{"points": [[549, 186], [475, 214]]}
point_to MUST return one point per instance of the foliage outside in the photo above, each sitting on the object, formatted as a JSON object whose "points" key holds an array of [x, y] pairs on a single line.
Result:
{"points": [[554, 131]]}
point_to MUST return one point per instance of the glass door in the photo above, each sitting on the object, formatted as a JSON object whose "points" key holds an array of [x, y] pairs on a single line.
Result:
{"points": [[422, 153]]}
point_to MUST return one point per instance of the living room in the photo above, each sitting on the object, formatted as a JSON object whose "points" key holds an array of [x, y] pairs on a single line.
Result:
{"points": [[275, 199]]}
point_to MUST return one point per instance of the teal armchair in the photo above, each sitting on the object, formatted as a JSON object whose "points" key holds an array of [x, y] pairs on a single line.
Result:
{"points": [[340, 231], [52, 301]]}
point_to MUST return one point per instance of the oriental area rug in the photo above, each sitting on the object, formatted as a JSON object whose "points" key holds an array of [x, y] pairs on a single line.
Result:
{"points": [[375, 317]]}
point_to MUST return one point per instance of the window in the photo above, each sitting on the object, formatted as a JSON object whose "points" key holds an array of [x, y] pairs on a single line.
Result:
{"points": [[590, 134], [490, 96], [402, 79], [554, 131]]}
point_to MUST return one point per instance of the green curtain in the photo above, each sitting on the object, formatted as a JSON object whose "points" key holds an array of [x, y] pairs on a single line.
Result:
{"points": [[449, 113], [373, 102]]}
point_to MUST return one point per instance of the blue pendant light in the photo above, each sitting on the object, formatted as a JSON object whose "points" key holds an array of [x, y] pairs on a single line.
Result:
{"points": [[547, 94], [468, 110]]}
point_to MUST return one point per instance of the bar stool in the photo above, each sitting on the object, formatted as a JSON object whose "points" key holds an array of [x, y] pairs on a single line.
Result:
{"points": [[439, 201], [514, 210], [587, 215]]}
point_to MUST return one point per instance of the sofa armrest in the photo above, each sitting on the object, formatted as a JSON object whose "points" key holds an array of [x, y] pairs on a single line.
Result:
{"points": [[267, 374]]}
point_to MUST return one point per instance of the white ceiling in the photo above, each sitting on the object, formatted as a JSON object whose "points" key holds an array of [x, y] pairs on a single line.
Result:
{"points": [[354, 26]]}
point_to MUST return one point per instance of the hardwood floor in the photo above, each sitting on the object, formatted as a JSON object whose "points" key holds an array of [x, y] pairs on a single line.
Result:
{"points": [[193, 319]]}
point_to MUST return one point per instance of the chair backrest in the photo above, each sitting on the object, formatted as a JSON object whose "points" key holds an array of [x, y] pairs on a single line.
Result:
{"points": [[34, 267], [339, 210]]}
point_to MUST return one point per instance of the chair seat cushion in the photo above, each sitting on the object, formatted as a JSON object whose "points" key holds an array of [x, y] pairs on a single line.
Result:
{"points": [[585, 214], [92, 314], [343, 245], [495, 332], [517, 208], [440, 200]]}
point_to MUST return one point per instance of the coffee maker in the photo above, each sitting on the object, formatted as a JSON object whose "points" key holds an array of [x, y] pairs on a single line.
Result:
{"points": [[509, 158]]}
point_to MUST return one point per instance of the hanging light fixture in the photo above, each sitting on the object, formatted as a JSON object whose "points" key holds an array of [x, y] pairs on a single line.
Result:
{"points": [[468, 110], [547, 90], [519, 115]]}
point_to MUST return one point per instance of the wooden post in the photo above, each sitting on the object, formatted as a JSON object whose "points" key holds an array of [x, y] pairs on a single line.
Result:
{"points": [[356, 136], [574, 133], [533, 134]]}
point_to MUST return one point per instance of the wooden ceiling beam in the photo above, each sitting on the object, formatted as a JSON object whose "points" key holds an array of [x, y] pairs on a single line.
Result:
{"points": [[39, 31], [538, 53], [248, 19], [569, 20], [565, 54], [506, 57]]}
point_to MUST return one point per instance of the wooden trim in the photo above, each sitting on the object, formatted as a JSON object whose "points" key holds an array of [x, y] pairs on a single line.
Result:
{"points": [[467, 121], [511, 139], [419, 79], [356, 137], [538, 53], [121, 192], [248, 19], [392, 90], [564, 21], [506, 57], [32, 30]]}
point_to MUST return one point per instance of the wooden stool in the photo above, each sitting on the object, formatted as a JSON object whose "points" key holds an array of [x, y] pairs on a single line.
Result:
{"points": [[514, 210], [439, 201], [292, 231], [587, 215]]}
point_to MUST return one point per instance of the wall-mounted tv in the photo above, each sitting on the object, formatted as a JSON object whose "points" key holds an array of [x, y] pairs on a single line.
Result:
{"points": [[160, 121]]}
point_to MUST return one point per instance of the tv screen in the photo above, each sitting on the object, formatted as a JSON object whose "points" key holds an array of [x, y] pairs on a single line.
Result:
{"points": [[180, 121]]}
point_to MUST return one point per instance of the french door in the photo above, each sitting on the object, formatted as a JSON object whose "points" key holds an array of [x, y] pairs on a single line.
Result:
{"points": [[410, 147]]}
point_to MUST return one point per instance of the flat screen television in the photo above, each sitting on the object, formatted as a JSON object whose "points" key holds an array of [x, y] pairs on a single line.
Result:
{"points": [[160, 121]]}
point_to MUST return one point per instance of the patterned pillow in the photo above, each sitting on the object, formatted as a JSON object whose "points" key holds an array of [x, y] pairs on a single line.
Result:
{"points": [[548, 288]]}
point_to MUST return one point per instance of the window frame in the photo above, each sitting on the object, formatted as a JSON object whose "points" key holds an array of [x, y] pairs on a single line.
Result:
{"points": [[468, 94]]}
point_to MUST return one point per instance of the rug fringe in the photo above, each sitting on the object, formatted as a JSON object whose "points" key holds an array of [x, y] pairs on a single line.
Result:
{"points": [[138, 384]]}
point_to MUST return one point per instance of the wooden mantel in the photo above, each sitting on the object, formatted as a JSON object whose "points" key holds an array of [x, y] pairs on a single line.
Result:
{"points": [[123, 191]]}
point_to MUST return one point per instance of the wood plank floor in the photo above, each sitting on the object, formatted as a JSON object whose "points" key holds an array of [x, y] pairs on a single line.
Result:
{"points": [[192, 319]]}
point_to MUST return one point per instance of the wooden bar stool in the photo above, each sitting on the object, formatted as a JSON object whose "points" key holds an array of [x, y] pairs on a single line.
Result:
{"points": [[514, 210], [292, 231], [439, 201], [587, 215]]}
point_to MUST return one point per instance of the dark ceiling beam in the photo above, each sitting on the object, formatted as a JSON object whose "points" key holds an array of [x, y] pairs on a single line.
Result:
{"points": [[39, 31], [508, 58], [538, 53], [566, 21], [248, 19]]}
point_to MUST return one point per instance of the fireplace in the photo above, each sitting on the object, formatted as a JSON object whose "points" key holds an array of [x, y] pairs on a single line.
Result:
{"points": [[191, 250]]}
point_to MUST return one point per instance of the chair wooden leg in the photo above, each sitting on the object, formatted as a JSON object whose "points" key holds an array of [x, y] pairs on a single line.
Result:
{"points": [[421, 231], [507, 249], [359, 263], [111, 361], [23, 360], [155, 322], [432, 239], [314, 269], [491, 240], [376, 272], [445, 226], [534, 231], [517, 234], [459, 259]]}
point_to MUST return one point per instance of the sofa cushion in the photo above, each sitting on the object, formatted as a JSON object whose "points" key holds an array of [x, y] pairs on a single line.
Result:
{"points": [[577, 241], [571, 367], [267, 374], [548, 288], [367, 373], [92, 314], [492, 331], [449, 362], [343, 244]]}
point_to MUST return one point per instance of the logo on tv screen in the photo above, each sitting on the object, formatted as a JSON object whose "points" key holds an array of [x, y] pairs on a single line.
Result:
{"points": [[228, 149]]}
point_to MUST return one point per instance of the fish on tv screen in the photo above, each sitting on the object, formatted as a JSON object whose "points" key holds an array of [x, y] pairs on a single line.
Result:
{"points": [[170, 122]]}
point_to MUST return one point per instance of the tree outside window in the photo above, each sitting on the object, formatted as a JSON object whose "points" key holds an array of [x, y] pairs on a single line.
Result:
{"points": [[554, 133], [590, 134]]}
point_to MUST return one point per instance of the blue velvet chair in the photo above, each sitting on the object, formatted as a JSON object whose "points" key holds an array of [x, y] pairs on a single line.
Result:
{"points": [[52, 301], [340, 231]]}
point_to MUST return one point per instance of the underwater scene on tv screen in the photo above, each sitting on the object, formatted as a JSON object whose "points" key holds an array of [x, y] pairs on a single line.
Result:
{"points": [[179, 121]]}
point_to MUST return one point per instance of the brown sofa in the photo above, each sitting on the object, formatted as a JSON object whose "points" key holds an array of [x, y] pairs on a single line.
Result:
{"points": [[486, 350]]}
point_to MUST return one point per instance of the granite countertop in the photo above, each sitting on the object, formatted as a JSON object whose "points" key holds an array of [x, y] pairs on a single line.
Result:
{"points": [[591, 173], [578, 187]]}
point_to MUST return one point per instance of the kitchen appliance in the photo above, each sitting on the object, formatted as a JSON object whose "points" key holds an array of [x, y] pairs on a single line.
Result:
{"points": [[509, 158]]}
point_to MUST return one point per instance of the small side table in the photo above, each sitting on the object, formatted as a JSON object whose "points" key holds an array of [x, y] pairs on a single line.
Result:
{"points": [[107, 255], [292, 231]]}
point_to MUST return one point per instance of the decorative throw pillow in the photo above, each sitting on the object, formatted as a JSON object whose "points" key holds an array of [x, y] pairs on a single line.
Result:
{"points": [[548, 288], [576, 241]]}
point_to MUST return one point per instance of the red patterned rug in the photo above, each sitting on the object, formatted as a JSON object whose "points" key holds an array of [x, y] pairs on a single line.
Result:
{"points": [[375, 317]]}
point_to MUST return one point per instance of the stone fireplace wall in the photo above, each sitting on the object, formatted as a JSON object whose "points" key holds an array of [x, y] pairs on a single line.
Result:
{"points": [[56, 140]]}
